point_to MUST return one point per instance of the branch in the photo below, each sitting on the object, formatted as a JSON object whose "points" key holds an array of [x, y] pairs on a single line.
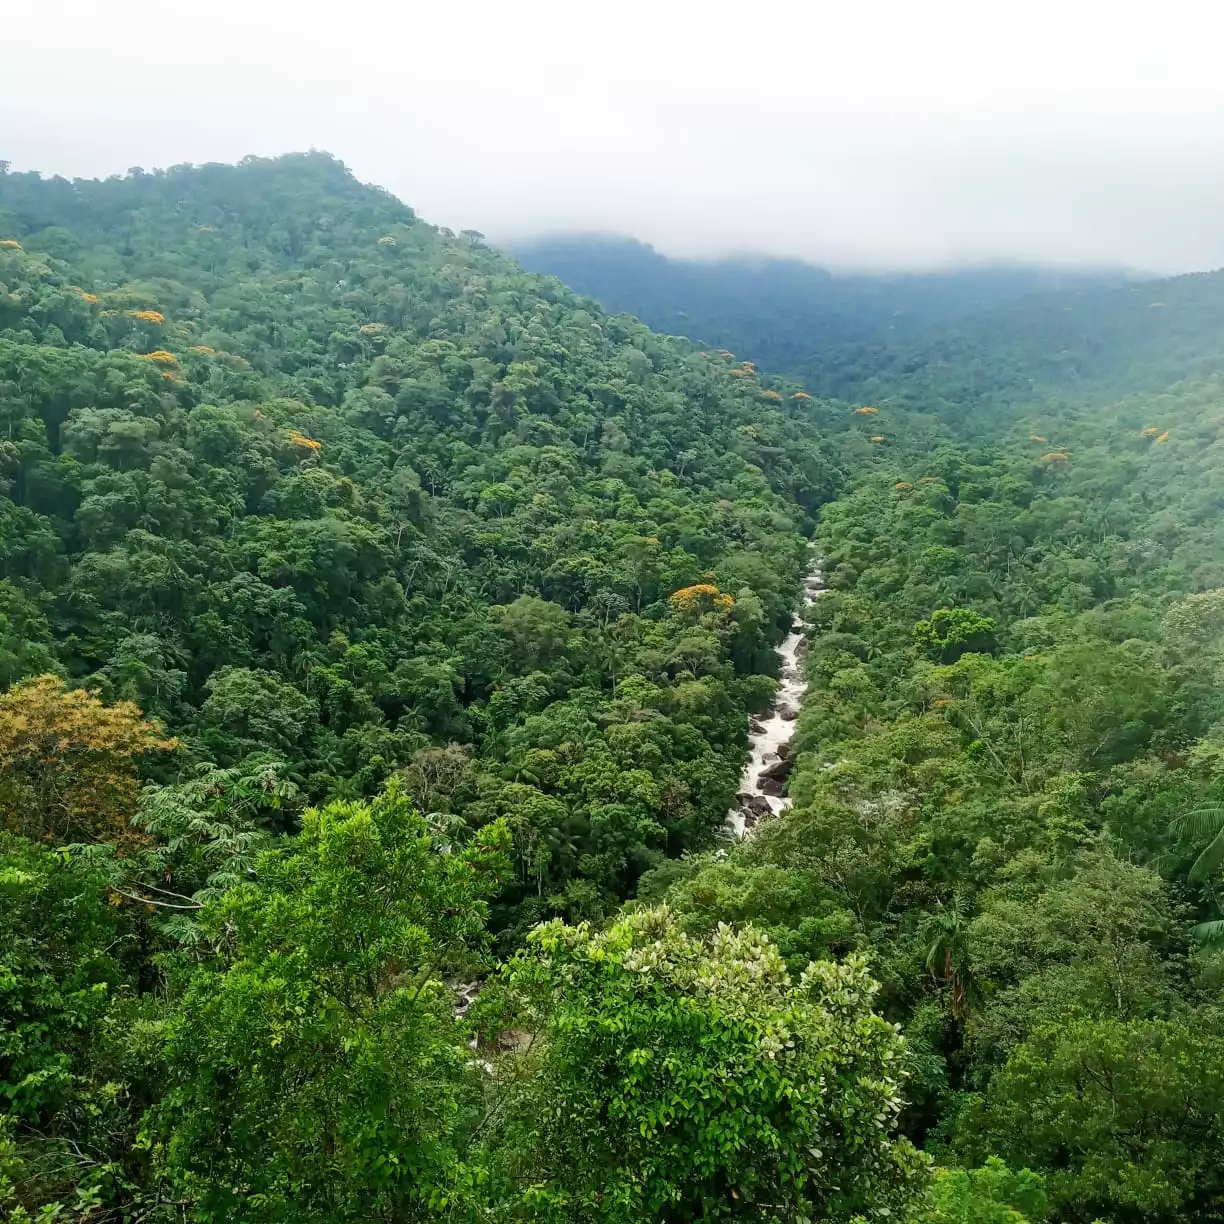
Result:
{"points": [[150, 901]]}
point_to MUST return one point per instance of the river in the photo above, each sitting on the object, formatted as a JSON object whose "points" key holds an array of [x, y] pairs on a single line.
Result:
{"points": [[769, 739]]}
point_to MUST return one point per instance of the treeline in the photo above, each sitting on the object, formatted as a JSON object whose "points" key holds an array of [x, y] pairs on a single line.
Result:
{"points": [[1086, 347]]}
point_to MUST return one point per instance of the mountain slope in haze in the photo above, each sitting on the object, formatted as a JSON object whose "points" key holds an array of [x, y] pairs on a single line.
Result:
{"points": [[781, 313], [1066, 349]]}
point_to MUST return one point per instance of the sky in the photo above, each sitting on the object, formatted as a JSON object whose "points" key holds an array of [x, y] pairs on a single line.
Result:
{"points": [[862, 133]]}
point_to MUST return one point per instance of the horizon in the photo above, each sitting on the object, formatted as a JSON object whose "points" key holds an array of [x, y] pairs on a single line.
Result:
{"points": [[738, 255], [881, 137]]}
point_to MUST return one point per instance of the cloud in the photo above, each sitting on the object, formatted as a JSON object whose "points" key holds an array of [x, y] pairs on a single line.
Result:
{"points": [[882, 133]]}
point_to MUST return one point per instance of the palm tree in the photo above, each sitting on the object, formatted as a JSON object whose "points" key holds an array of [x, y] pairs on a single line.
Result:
{"points": [[1204, 824], [946, 934]]}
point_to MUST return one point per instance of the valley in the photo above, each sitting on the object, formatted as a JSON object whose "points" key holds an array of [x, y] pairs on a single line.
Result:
{"points": [[818, 762], [771, 736]]}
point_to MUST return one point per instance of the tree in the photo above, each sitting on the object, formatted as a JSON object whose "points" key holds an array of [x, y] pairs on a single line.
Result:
{"points": [[316, 1069], [1124, 1118], [992, 1194], [536, 631], [69, 762], [676, 1078], [952, 632], [249, 710], [76, 1068], [948, 956], [1205, 824]]}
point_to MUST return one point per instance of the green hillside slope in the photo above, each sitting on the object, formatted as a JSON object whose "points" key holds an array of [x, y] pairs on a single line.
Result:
{"points": [[1009, 785], [1066, 350], [377, 618], [299, 473], [782, 313]]}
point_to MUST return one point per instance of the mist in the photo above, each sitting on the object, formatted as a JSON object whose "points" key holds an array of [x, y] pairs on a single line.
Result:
{"points": [[884, 135]]}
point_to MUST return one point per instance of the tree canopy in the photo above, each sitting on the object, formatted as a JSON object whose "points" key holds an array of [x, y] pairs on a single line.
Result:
{"points": [[380, 631]]}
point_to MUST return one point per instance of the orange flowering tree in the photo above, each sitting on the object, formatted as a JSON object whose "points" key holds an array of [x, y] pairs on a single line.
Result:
{"points": [[68, 761], [693, 602]]}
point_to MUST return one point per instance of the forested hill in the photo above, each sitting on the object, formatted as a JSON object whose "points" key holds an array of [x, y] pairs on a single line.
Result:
{"points": [[298, 473], [1071, 349], [365, 603], [1010, 777], [378, 618], [782, 313]]}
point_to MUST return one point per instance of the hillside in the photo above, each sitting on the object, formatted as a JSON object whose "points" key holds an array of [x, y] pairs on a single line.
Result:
{"points": [[365, 602], [1008, 782], [784, 314], [380, 627], [1064, 350], [297, 472]]}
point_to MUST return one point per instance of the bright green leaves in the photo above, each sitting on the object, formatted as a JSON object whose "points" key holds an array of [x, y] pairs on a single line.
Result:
{"points": [[317, 1070], [952, 632], [1127, 1116], [677, 1079]]}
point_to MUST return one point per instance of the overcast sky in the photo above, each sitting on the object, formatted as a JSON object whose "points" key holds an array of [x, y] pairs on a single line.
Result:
{"points": [[895, 133]]}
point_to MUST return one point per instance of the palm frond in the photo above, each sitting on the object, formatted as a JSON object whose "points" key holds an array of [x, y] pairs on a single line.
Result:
{"points": [[1209, 932], [1199, 824], [1208, 862]]}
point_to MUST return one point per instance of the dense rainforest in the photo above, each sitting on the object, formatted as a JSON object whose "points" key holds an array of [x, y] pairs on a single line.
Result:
{"points": [[378, 618], [785, 314]]}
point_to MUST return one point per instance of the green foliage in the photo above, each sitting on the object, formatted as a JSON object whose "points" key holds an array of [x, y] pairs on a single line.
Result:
{"points": [[316, 1069], [79, 1058], [992, 1194], [375, 524], [1126, 1116], [679, 1079], [952, 632], [302, 475]]}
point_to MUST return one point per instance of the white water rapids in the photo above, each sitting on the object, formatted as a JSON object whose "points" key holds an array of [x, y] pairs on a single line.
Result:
{"points": [[769, 736]]}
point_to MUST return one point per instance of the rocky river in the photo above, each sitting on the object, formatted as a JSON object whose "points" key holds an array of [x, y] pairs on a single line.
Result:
{"points": [[762, 786]]}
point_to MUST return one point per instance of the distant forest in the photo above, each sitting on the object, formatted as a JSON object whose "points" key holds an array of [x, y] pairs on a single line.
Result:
{"points": [[781, 313]]}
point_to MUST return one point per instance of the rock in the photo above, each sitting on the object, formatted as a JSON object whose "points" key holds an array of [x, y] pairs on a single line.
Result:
{"points": [[788, 713], [771, 786], [779, 771], [754, 805], [785, 751], [756, 726], [465, 995], [515, 1040]]}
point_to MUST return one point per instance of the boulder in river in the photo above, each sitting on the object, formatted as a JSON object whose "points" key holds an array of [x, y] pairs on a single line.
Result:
{"points": [[754, 805], [779, 771], [756, 726], [787, 712], [771, 786]]}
